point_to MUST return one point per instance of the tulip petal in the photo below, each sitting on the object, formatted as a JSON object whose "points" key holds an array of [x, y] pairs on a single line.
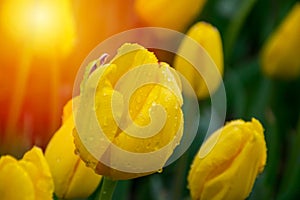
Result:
{"points": [[67, 168], [176, 16], [228, 162], [14, 176], [128, 57], [36, 166], [82, 173]]}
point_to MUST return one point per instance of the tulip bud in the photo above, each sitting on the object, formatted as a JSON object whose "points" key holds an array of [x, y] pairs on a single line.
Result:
{"points": [[28, 178], [228, 162], [68, 170], [280, 54], [177, 15], [137, 105], [209, 38]]}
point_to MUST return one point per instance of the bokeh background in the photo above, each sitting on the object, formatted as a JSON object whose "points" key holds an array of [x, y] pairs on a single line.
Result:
{"points": [[38, 66]]}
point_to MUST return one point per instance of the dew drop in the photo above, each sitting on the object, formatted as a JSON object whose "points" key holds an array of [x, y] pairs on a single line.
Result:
{"points": [[104, 94], [76, 152], [88, 163], [166, 99], [160, 170]]}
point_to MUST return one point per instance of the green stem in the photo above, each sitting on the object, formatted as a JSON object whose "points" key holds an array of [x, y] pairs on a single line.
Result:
{"points": [[107, 189], [235, 26], [180, 177]]}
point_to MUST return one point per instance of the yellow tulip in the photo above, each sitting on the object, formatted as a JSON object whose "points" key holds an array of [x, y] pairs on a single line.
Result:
{"points": [[164, 89], [68, 170], [280, 54], [228, 162], [174, 15], [209, 38], [28, 178]]}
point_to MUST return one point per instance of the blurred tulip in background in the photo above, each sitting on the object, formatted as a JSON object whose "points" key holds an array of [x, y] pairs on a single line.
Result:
{"points": [[209, 38], [280, 54]]}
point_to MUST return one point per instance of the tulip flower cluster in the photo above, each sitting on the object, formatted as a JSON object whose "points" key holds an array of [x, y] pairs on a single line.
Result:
{"points": [[130, 118], [61, 171]]}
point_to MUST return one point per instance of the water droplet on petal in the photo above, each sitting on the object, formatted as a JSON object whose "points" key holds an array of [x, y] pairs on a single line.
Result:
{"points": [[160, 170], [89, 163], [167, 99], [76, 152], [104, 94]]}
